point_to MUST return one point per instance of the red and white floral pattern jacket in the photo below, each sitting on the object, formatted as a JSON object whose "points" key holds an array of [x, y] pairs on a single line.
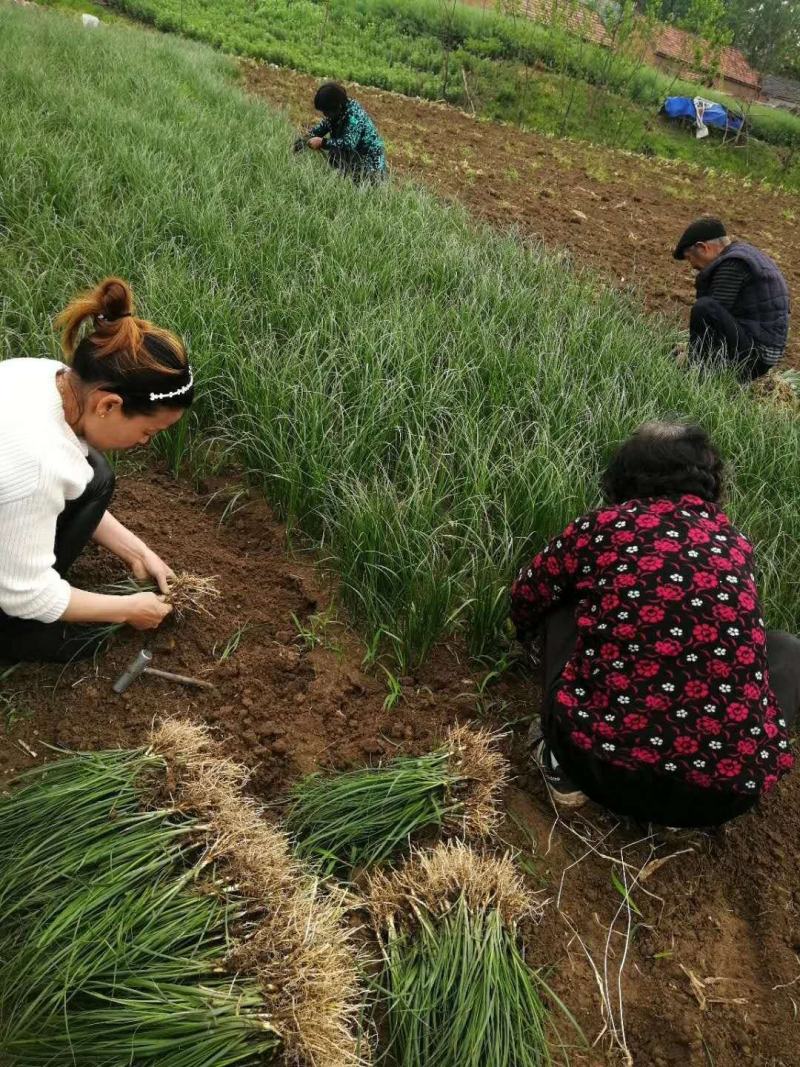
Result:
{"points": [[670, 667]]}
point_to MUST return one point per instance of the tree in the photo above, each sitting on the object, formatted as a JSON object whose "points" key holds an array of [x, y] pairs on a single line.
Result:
{"points": [[768, 32], [706, 20]]}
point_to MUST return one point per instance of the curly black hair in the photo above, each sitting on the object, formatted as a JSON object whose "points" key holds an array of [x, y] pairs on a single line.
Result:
{"points": [[331, 98], [664, 459]]}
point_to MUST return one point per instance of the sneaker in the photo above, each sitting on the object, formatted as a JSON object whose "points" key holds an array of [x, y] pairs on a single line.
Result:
{"points": [[561, 789]]}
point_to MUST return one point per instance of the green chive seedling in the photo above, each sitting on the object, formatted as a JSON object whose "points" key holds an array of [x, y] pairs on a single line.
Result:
{"points": [[361, 818]]}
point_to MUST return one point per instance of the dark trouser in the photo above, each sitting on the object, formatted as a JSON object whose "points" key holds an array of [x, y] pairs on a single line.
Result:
{"points": [[354, 166], [644, 794], [60, 642], [714, 333]]}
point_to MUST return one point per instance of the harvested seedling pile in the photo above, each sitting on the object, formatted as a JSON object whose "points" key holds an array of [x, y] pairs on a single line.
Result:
{"points": [[360, 818], [458, 992], [149, 915]]}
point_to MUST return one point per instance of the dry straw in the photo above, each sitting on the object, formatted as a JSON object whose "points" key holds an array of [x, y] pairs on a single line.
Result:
{"points": [[300, 954], [483, 773], [452, 872], [190, 594], [780, 388]]}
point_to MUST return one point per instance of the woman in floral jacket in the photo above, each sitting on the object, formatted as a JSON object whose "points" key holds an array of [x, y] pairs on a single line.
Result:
{"points": [[665, 698], [347, 135]]}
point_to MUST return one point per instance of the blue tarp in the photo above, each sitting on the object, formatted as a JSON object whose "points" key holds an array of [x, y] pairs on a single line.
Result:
{"points": [[683, 107]]}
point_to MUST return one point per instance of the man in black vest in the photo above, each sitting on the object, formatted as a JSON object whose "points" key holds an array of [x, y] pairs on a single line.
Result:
{"points": [[741, 314]]}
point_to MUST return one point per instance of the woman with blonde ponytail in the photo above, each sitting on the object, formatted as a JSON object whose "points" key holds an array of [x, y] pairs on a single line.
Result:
{"points": [[124, 380]]}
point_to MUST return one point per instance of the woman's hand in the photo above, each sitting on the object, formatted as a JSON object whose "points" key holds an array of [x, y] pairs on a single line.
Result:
{"points": [[145, 611], [315, 143], [146, 564], [143, 562]]}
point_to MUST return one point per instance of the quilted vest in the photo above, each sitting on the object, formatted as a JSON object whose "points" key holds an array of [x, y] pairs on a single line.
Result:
{"points": [[762, 306]]}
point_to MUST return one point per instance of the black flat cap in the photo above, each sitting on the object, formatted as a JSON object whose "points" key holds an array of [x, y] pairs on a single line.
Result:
{"points": [[705, 229]]}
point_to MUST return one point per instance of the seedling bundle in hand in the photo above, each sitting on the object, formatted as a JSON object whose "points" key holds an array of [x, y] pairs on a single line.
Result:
{"points": [[149, 915], [360, 818], [190, 594]]}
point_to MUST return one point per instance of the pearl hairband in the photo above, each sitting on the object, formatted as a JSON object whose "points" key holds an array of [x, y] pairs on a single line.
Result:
{"points": [[175, 392]]}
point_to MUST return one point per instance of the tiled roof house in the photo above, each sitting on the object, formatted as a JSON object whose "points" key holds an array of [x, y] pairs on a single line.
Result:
{"points": [[681, 53], [575, 17]]}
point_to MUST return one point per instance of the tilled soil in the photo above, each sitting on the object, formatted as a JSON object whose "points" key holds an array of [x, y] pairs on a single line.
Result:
{"points": [[616, 212], [710, 946]]}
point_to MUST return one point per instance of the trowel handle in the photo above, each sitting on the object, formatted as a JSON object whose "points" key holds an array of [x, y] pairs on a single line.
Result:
{"points": [[182, 678]]}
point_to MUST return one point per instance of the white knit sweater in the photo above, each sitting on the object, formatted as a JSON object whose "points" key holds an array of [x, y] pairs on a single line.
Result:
{"points": [[42, 465]]}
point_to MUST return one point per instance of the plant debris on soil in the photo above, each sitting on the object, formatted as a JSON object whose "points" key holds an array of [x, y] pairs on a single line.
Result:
{"points": [[615, 212], [724, 908]]}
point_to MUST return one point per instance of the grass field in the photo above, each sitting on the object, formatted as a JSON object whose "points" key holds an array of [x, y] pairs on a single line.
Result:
{"points": [[425, 400], [509, 68]]}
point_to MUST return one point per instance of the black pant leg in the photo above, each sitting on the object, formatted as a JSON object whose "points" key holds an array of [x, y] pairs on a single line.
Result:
{"points": [[714, 333], [28, 641], [646, 796], [352, 164], [81, 517], [340, 159], [783, 660], [60, 642], [560, 637]]}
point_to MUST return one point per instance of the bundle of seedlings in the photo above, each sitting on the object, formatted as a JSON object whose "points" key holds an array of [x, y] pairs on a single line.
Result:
{"points": [[149, 915], [190, 594], [457, 990], [340, 822]]}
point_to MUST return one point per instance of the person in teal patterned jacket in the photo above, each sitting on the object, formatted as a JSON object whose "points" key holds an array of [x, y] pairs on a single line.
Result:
{"points": [[347, 134]]}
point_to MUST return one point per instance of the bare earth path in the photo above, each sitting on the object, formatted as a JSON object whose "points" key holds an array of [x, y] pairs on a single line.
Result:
{"points": [[615, 212]]}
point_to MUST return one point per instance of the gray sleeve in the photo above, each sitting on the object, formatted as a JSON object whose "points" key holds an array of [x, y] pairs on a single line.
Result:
{"points": [[727, 281]]}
